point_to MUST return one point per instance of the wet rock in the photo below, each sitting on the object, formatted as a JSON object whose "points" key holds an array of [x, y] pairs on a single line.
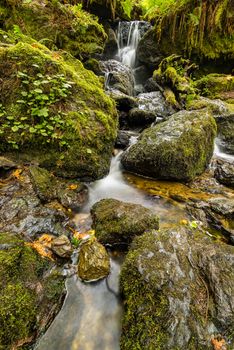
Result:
{"points": [[141, 74], [111, 45], [124, 138], [224, 173], [93, 261], [71, 194], [120, 77], [223, 206], [124, 28], [22, 213], [179, 148], [62, 247], [118, 222], [178, 290], [217, 107], [123, 102], [152, 107], [151, 85], [225, 125], [148, 51], [31, 294]]}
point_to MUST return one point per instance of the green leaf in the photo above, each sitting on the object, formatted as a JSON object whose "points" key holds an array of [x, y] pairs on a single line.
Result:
{"points": [[88, 150], [15, 128]]}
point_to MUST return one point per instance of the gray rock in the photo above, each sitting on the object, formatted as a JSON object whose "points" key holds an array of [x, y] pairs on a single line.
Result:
{"points": [[179, 148], [117, 222], [178, 290], [120, 77], [62, 247], [111, 45], [225, 125], [151, 85], [123, 102], [152, 107], [124, 138], [148, 52], [93, 261], [224, 173]]}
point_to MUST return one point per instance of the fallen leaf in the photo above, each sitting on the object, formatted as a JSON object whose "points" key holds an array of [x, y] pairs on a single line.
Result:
{"points": [[218, 343], [72, 187]]}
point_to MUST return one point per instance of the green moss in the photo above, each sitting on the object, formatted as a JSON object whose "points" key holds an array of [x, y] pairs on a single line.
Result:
{"points": [[59, 26], [198, 29], [89, 116], [21, 269], [214, 85]]}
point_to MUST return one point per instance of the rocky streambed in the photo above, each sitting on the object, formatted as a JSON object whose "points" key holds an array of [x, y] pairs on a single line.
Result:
{"points": [[143, 257]]}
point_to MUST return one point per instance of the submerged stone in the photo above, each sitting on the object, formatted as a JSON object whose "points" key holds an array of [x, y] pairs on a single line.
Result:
{"points": [[93, 261], [178, 290], [178, 149], [117, 222]]}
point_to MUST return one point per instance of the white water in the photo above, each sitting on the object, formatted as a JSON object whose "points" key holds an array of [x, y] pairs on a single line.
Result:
{"points": [[114, 186], [220, 154], [127, 54]]}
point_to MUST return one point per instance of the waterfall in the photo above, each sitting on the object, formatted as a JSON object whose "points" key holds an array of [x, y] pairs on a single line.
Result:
{"points": [[127, 52]]}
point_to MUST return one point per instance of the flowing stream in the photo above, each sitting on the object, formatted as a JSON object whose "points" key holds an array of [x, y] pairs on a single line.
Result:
{"points": [[90, 318]]}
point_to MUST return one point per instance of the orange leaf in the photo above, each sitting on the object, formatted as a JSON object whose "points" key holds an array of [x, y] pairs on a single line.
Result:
{"points": [[218, 343]]}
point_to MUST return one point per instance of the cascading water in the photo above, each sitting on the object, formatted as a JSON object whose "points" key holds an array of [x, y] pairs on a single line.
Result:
{"points": [[127, 53]]}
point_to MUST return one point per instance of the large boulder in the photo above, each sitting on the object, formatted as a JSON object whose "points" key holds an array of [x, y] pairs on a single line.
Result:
{"points": [[151, 107], [225, 124], [178, 149], [178, 290], [117, 222], [93, 261], [56, 113], [58, 26], [30, 295]]}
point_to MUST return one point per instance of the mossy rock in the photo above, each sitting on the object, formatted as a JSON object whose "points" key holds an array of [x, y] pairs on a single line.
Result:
{"points": [[117, 222], [93, 261], [24, 310], [215, 85], [177, 149], [77, 120], [58, 26], [164, 281]]}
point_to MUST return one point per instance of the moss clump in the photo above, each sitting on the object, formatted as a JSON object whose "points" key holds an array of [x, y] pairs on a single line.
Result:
{"points": [[173, 73], [51, 96], [55, 25], [177, 149], [202, 29], [21, 269], [118, 222], [215, 85]]}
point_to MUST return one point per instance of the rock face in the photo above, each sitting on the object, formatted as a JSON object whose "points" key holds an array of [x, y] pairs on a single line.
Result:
{"points": [[178, 149], [120, 76], [93, 261], [152, 107], [30, 296], [124, 138], [74, 128], [148, 51], [224, 173], [178, 288], [118, 222]]}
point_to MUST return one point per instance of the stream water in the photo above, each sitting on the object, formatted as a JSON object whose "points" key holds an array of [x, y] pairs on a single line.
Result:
{"points": [[90, 318]]}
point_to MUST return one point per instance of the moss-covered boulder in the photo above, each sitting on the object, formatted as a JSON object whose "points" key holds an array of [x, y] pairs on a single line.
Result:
{"points": [[117, 222], [54, 112], [178, 149], [26, 294], [93, 261], [225, 125], [57, 26], [178, 290]]}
